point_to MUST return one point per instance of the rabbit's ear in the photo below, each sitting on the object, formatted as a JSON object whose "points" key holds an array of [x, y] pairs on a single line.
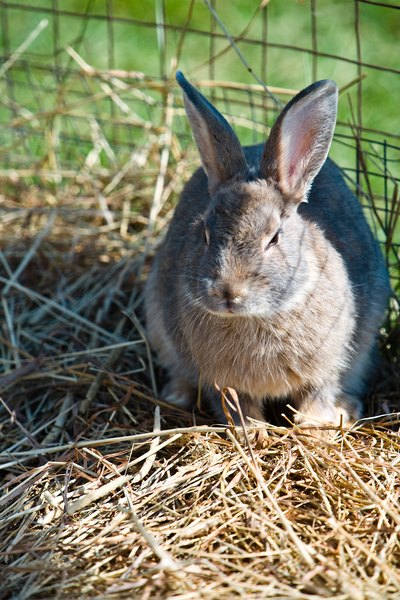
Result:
{"points": [[299, 141], [220, 150]]}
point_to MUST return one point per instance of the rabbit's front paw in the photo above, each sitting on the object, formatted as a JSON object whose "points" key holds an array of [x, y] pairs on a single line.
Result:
{"points": [[323, 407]]}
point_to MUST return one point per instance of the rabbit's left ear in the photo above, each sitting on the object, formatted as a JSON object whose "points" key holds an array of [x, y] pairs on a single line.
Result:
{"points": [[299, 141]]}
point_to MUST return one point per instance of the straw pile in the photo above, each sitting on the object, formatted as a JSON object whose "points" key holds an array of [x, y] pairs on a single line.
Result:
{"points": [[109, 493]]}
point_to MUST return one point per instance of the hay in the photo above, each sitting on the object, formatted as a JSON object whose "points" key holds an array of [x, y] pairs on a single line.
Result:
{"points": [[199, 516], [108, 492]]}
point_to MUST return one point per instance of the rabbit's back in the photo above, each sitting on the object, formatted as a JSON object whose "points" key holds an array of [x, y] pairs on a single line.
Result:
{"points": [[339, 213]]}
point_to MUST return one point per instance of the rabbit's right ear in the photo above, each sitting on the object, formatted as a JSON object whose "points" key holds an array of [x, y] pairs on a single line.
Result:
{"points": [[220, 151]]}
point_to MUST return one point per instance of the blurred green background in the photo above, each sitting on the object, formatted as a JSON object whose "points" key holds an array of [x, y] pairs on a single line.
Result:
{"points": [[145, 36]]}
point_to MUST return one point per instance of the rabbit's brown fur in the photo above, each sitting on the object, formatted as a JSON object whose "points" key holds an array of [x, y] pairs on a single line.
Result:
{"points": [[252, 291]]}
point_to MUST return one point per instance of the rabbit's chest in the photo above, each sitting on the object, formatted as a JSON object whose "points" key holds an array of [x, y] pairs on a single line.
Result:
{"points": [[256, 360]]}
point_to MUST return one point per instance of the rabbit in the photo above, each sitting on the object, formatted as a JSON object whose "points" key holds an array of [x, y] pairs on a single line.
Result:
{"points": [[269, 279]]}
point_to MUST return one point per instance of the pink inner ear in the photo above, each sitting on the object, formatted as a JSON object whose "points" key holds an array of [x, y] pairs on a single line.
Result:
{"points": [[300, 140], [297, 140], [301, 152]]}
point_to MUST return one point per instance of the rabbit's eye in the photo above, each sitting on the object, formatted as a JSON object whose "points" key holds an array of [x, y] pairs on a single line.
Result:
{"points": [[275, 239], [206, 236]]}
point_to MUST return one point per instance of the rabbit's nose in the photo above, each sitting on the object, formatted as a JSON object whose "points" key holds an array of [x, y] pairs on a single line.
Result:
{"points": [[233, 293]]}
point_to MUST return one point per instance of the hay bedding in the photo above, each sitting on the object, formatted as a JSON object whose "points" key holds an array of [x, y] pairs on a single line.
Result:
{"points": [[107, 493]]}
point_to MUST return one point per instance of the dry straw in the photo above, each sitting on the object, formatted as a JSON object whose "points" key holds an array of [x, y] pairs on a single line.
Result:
{"points": [[109, 493]]}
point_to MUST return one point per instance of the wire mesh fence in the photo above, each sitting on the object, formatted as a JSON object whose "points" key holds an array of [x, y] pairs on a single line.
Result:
{"points": [[87, 86]]}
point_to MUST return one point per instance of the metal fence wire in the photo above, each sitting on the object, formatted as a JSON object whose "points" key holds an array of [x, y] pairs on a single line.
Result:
{"points": [[86, 85]]}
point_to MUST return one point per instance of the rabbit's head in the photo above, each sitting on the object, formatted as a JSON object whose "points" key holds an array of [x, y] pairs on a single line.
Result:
{"points": [[252, 254]]}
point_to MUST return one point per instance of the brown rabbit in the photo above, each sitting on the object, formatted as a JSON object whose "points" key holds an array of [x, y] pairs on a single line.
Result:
{"points": [[269, 279]]}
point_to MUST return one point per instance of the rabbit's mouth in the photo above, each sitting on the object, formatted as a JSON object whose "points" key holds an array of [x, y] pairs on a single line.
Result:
{"points": [[225, 307], [229, 301], [230, 310], [226, 298]]}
